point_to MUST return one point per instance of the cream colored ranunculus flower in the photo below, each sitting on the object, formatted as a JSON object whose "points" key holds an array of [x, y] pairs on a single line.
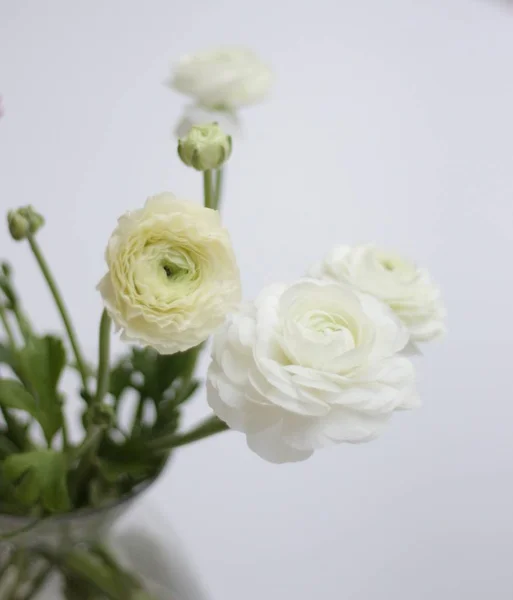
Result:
{"points": [[172, 274], [408, 290], [226, 78], [310, 365]]}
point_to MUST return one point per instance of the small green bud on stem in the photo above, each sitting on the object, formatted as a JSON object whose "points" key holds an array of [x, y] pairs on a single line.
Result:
{"points": [[24, 222], [205, 147]]}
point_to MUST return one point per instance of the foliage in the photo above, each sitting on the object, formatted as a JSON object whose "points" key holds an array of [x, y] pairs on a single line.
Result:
{"points": [[50, 475]]}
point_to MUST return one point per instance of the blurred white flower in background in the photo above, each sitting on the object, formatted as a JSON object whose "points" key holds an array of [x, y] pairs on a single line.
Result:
{"points": [[226, 78], [310, 365], [172, 274], [199, 115], [220, 81], [408, 290]]}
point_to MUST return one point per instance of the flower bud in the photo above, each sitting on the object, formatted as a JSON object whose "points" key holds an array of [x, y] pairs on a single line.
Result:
{"points": [[23, 222], [19, 227], [205, 147]]}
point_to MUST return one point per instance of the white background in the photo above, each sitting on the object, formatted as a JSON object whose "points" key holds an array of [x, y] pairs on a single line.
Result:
{"points": [[390, 121]]}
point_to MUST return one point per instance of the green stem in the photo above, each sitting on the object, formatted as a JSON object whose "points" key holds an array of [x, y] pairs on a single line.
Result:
{"points": [[19, 563], [81, 564], [81, 365], [85, 454], [90, 442], [65, 434], [207, 189], [23, 324], [103, 358], [206, 428], [218, 188], [138, 414], [10, 292], [8, 329], [38, 582]]}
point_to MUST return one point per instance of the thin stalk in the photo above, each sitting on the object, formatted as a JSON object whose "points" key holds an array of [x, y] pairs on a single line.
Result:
{"points": [[14, 304], [43, 265], [207, 189], [80, 564], [23, 323], [103, 358], [7, 326], [19, 562], [206, 428], [85, 454], [138, 414], [37, 583], [65, 434], [218, 188]]}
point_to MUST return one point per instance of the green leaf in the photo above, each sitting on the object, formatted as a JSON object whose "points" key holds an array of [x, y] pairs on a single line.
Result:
{"points": [[8, 357], [39, 476], [160, 371], [7, 446], [43, 360], [113, 471], [14, 395], [120, 377]]}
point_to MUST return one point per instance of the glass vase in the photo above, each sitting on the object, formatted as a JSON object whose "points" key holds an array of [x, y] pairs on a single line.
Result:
{"points": [[145, 554]]}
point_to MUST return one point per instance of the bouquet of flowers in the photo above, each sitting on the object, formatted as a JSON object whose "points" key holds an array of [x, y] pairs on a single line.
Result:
{"points": [[309, 363]]}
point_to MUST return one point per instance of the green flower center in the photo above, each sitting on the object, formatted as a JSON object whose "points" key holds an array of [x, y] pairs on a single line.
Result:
{"points": [[388, 264], [174, 272]]}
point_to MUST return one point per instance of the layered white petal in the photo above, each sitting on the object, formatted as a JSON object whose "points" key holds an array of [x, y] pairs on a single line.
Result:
{"points": [[172, 274], [409, 291], [307, 366]]}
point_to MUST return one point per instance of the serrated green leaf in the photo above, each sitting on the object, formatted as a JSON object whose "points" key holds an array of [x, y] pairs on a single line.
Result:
{"points": [[39, 476], [43, 360]]}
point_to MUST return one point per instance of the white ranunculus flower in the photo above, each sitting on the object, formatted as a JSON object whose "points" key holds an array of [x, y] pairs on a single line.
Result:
{"points": [[409, 291], [309, 365], [225, 78], [172, 274]]}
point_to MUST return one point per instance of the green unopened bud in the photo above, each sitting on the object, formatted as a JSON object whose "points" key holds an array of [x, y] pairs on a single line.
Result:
{"points": [[205, 147], [19, 227], [23, 222]]}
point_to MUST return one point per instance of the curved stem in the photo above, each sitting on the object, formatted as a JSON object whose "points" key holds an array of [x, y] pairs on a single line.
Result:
{"points": [[206, 428], [207, 189], [103, 358], [62, 309]]}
